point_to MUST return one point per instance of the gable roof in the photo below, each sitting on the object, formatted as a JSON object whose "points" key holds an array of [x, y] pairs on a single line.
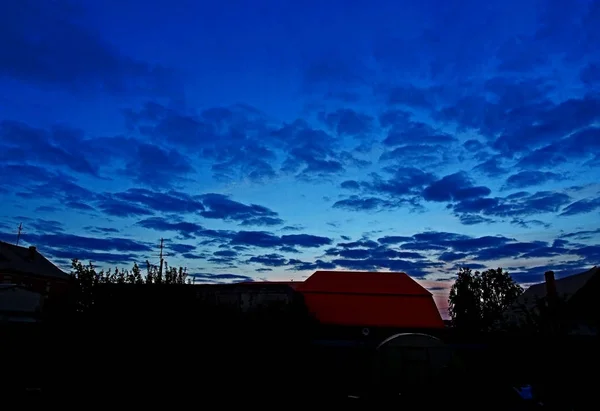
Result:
{"points": [[566, 287], [18, 259], [369, 299], [362, 282]]}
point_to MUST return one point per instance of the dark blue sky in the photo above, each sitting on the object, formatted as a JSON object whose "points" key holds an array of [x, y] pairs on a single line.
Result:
{"points": [[269, 138]]}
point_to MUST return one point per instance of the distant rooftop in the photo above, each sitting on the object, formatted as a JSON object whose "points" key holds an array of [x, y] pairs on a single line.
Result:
{"points": [[566, 287], [292, 284], [27, 260]]}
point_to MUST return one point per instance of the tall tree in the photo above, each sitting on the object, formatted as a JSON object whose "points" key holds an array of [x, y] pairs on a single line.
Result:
{"points": [[464, 302], [478, 300]]}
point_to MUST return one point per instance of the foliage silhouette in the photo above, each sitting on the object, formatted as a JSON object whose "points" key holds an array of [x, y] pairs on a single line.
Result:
{"points": [[86, 280], [478, 300]]}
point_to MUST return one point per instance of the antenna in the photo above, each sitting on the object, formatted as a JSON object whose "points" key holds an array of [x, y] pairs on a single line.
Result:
{"points": [[161, 257], [20, 229]]}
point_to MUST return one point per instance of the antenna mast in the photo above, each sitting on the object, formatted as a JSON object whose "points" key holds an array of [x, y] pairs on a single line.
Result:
{"points": [[160, 270], [19, 233]]}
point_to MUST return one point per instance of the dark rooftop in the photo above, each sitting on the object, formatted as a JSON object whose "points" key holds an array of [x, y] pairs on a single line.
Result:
{"points": [[27, 260], [566, 287]]}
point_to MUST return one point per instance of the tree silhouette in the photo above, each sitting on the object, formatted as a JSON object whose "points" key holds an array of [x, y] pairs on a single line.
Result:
{"points": [[478, 300], [87, 279]]}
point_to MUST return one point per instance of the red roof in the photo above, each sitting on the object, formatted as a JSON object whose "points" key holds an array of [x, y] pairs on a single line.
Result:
{"points": [[362, 282], [369, 299]]}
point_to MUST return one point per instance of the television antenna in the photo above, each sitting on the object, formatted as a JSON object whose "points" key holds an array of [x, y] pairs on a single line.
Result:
{"points": [[19, 231]]}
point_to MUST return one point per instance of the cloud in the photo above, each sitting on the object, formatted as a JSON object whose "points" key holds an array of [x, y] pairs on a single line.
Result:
{"points": [[590, 74], [309, 151], [531, 178], [218, 278], [404, 134], [583, 206], [355, 203], [519, 204], [40, 225], [402, 181], [70, 55], [347, 122], [398, 187], [265, 239], [333, 72], [221, 207], [579, 145], [259, 239], [230, 137], [470, 202], [472, 219], [529, 275], [350, 185], [143, 202], [101, 230], [114, 250], [454, 187], [422, 254], [394, 118], [551, 124], [185, 229], [168, 202], [432, 156], [450, 256], [68, 150], [225, 253], [416, 269], [318, 264], [156, 166], [270, 260], [529, 223], [239, 140], [394, 239], [19, 140], [120, 208], [582, 235], [180, 248]]}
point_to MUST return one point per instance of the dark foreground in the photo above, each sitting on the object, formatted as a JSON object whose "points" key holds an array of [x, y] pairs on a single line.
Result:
{"points": [[112, 364]]}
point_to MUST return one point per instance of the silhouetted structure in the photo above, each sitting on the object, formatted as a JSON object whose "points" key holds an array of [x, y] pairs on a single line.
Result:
{"points": [[26, 267], [566, 305]]}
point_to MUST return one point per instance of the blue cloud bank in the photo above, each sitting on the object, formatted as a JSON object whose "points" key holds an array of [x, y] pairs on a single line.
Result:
{"points": [[270, 140]]}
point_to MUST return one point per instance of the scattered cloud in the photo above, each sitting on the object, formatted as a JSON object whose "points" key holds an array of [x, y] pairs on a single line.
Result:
{"points": [[270, 151]]}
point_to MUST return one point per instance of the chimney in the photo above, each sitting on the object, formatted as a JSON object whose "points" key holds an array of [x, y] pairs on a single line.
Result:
{"points": [[551, 293], [32, 252]]}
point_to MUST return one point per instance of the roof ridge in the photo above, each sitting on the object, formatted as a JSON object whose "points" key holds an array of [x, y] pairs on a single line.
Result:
{"points": [[363, 282], [19, 259]]}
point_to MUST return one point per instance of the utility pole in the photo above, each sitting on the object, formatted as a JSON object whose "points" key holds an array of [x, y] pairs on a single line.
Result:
{"points": [[161, 259], [19, 232]]}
